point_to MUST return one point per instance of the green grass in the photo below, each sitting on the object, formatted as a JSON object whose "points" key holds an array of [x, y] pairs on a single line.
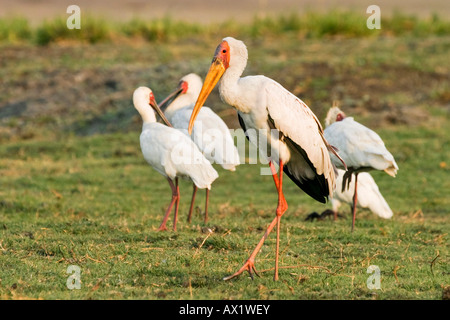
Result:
{"points": [[92, 30], [164, 29], [14, 29], [405, 24], [313, 25], [335, 23], [75, 189], [94, 202]]}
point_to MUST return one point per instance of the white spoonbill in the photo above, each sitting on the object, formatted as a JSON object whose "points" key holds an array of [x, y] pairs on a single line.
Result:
{"points": [[210, 133], [369, 195], [361, 148], [170, 152], [292, 131]]}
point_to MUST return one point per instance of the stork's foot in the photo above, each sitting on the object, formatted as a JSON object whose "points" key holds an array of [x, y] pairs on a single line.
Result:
{"points": [[249, 265], [162, 228], [206, 216]]}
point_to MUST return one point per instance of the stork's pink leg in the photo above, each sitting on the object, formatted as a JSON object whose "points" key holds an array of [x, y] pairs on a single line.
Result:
{"points": [[249, 265], [206, 205], [281, 209], [355, 200], [177, 204], [169, 209], [194, 192], [276, 180]]}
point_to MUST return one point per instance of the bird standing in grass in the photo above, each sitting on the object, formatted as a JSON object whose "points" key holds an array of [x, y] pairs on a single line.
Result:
{"points": [[360, 147], [210, 133], [270, 113], [170, 152], [369, 195]]}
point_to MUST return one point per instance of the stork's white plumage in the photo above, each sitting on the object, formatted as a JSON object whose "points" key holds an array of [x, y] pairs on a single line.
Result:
{"points": [[361, 148], [265, 107], [170, 152], [210, 133], [369, 195]]}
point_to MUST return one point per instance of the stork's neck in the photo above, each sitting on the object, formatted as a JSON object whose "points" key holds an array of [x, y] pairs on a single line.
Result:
{"points": [[183, 100], [229, 85]]}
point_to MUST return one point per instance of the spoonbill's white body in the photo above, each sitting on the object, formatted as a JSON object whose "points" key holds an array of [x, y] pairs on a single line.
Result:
{"points": [[170, 152]]}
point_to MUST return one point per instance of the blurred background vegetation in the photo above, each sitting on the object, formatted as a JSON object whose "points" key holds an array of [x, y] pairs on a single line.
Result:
{"points": [[304, 26]]}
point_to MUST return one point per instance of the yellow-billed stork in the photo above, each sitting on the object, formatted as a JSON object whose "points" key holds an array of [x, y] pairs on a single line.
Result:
{"points": [[298, 147]]}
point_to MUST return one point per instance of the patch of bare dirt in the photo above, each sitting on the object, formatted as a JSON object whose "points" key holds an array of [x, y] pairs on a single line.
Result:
{"points": [[98, 99], [365, 94]]}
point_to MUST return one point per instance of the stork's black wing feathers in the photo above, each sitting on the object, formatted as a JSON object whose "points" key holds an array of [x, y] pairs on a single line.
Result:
{"points": [[316, 188]]}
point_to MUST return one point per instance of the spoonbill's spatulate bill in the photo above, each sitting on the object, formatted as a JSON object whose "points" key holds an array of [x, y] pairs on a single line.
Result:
{"points": [[299, 148], [170, 152]]}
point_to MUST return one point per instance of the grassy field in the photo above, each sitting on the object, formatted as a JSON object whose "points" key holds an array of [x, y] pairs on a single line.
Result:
{"points": [[310, 24], [75, 189]]}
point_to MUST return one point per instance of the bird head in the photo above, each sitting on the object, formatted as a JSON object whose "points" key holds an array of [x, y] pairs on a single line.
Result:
{"points": [[190, 84], [143, 97], [224, 55], [334, 114]]}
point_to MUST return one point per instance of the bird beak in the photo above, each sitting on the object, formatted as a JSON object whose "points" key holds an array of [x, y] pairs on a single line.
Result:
{"points": [[155, 106], [215, 72], [173, 95]]}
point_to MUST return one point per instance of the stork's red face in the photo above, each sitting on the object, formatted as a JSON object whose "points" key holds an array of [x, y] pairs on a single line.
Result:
{"points": [[183, 86], [219, 65], [181, 89], [340, 117], [223, 54]]}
